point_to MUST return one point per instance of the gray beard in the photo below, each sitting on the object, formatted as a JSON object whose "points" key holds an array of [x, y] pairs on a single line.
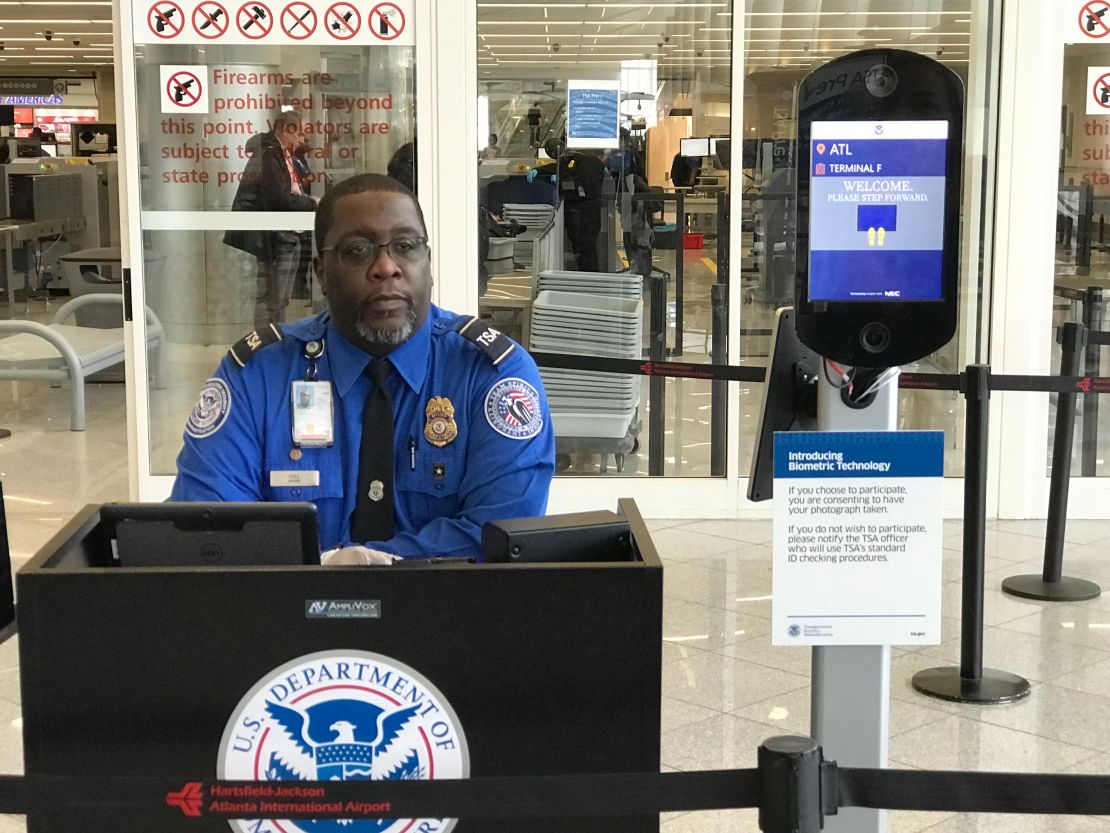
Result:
{"points": [[387, 338]]}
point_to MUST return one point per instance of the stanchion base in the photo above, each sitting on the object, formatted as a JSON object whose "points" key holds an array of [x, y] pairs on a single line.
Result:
{"points": [[4, 433], [992, 688], [1067, 589]]}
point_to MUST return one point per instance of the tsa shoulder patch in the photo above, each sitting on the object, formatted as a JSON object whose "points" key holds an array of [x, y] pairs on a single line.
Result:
{"points": [[493, 343], [211, 410], [244, 349], [513, 409]]}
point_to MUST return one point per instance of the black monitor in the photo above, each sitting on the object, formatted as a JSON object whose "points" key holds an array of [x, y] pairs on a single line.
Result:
{"points": [[789, 401], [184, 534], [7, 115], [574, 537], [722, 149], [749, 153]]}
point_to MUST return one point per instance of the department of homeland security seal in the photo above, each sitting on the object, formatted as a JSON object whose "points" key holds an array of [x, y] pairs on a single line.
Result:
{"points": [[342, 715], [513, 409], [211, 409]]}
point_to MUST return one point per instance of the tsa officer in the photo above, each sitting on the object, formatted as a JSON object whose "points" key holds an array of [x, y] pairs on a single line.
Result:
{"points": [[407, 426]]}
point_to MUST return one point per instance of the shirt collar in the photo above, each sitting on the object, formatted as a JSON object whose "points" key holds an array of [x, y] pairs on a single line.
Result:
{"points": [[410, 359]]}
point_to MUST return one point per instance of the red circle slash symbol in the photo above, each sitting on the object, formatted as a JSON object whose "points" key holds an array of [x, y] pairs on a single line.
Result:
{"points": [[165, 19], [298, 20], [183, 88], [386, 21], [342, 20], [210, 19], [1094, 19], [1101, 91], [254, 20]]}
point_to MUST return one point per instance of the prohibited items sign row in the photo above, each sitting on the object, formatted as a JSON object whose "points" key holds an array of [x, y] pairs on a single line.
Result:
{"points": [[368, 22]]}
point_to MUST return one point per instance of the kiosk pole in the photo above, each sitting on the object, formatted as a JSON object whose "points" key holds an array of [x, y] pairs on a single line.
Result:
{"points": [[850, 688], [1052, 585]]}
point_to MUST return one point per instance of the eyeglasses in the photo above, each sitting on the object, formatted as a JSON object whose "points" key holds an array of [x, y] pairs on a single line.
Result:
{"points": [[357, 252]]}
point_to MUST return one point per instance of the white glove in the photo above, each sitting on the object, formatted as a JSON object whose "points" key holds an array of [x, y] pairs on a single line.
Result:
{"points": [[356, 556]]}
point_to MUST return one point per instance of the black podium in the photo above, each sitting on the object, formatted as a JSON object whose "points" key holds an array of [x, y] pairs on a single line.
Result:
{"points": [[548, 669]]}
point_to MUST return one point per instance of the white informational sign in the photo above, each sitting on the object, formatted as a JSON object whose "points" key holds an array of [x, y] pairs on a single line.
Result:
{"points": [[275, 22], [184, 89], [857, 540], [1088, 21], [593, 114], [1098, 91]]}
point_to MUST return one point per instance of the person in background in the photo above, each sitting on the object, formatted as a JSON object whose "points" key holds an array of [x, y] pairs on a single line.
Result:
{"points": [[37, 134], [535, 115], [581, 175], [402, 165], [271, 183], [466, 437], [684, 171], [491, 150]]}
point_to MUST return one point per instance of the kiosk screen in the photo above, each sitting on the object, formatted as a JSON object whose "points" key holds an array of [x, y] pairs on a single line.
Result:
{"points": [[877, 210]]}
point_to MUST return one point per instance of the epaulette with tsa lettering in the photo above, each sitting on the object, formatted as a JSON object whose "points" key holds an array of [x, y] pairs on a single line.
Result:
{"points": [[244, 349], [493, 343]]}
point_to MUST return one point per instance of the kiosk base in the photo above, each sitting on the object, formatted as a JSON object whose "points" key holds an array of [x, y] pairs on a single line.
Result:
{"points": [[1067, 589], [991, 687]]}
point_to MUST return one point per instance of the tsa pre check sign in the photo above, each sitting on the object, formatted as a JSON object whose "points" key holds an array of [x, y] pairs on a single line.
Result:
{"points": [[857, 540]]}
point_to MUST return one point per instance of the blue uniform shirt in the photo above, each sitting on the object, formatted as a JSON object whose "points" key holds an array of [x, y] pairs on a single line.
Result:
{"points": [[499, 465]]}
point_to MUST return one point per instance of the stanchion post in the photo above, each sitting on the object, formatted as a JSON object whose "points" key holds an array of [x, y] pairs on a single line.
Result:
{"points": [[790, 785], [718, 413], [1092, 320], [656, 384], [1052, 585], [679, 277], [970, 682], [719, 298], [977, 438]]}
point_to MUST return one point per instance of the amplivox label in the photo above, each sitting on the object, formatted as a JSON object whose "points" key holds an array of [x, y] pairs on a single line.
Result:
{"points": [[343, 609]]}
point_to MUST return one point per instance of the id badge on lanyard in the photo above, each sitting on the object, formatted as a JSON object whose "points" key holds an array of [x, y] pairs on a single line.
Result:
{"points": [[312, 405]]}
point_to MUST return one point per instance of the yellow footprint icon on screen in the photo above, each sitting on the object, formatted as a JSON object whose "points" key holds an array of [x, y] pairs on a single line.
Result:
{"points": [[871, 236], [882, 235]]}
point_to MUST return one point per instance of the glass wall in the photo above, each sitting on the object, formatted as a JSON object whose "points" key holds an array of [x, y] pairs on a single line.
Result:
{"points": [[223, 255], [783, 42], [603, 226], [1082, 275], [670, 249]]}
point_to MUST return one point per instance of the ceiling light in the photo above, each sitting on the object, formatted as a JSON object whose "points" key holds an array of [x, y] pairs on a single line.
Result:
{"points": [[597, 23], [845, 14]]}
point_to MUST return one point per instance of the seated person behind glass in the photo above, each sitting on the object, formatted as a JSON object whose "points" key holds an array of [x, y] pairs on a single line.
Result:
{"points": [[472, 438]]}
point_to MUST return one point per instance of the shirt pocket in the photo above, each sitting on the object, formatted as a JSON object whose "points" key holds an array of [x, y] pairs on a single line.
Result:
{"points": [[316, 476], [434, 473]]}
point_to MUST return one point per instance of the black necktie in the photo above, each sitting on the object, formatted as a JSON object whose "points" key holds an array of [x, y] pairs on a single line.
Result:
{"points": [[372, 519]]}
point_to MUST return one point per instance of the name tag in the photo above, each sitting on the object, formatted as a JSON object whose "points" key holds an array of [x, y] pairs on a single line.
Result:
{"points": [[302, 477]]}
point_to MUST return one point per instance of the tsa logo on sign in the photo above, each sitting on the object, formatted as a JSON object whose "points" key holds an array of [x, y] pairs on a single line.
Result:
{"points": [[342, 716], [794, 630]]}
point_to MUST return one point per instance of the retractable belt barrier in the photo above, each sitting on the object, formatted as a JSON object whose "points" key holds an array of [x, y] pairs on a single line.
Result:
{"points": [[793, 787], [735, 373]]}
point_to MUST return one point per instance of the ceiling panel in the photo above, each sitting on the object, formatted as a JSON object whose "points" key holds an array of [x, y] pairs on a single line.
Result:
{"points": [[81, 34], [691, 38]]}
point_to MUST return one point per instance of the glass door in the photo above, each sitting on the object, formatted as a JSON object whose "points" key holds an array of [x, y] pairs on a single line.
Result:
{"points": [[243, 114]]}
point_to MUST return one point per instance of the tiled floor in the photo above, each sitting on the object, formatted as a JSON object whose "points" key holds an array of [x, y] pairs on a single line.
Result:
{"points": [[725, 688]]}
